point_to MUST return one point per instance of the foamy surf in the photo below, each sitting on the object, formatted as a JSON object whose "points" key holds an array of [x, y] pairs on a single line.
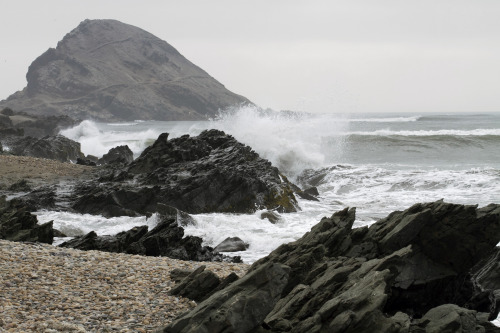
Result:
{"points": [[378, 163]]}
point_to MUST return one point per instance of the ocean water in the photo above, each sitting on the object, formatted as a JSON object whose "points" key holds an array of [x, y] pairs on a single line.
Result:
{"points": [[377, 163]]}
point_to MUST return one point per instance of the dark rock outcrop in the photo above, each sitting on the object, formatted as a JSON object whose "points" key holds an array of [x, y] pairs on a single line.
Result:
{"points": [[117, 155], [111, 71], [241, 307], [199, 284], [19, 225], [21, 123], [231, 244], [166, 239], [209, 173], [414, 271], [85, 161], [56, 147]]}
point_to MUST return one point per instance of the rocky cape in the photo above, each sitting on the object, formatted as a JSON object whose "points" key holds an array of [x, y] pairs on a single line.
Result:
{"points": [[110, 71], [430, 268]]}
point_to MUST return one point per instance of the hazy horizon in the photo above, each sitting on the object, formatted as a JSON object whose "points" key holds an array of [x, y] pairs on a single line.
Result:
{"points": [[321, 56]]}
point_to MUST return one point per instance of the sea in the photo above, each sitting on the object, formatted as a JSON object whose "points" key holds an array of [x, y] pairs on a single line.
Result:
{"points": [[376, 162]]}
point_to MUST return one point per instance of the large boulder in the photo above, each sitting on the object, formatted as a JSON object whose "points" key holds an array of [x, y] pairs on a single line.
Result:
{"points": [[55, 147], [231, 244], [19, 225], [429, 268], [209, 173]]}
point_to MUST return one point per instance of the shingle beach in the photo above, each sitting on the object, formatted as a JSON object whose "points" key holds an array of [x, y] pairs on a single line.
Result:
{"points": [[49, 289]]}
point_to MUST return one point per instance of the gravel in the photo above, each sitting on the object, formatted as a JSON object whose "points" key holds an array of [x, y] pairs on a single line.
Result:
{"points": [[49, 289]]}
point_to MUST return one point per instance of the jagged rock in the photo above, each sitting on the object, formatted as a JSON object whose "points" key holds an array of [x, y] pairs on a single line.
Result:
{"points": [[271, 216], [309, 194], [209, 173], [19, 225], [241, 307], [51, 147], [117, 155], [111, 71], [199, 284], [183, 219], [165, 239], [231, 244], [399, 275]]}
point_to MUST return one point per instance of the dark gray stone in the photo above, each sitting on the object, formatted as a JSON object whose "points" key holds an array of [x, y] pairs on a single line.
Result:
{"points": [[19, 225], [51, 147], [231, 244], [241, 307]]}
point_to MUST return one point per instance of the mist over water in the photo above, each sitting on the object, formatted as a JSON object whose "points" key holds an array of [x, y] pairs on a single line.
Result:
{"points": [[375, 162]]}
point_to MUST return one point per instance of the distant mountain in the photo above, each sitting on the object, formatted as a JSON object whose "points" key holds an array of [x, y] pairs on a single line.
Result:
{"points": [[111, 71]]}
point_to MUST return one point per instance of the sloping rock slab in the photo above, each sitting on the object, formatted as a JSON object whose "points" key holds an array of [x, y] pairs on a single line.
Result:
{"points": [[241, 307], [414, 271], [55, 147]]}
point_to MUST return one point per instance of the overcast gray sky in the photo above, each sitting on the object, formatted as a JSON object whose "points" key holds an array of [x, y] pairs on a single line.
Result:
{"points": [[316, 56]]}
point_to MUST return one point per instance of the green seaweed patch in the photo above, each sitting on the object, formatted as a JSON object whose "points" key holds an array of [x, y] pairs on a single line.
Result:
{"points": [[282, 199]]}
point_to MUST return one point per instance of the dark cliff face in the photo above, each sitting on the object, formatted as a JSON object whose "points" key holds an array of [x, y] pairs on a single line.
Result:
{"points": [[108, 70]]}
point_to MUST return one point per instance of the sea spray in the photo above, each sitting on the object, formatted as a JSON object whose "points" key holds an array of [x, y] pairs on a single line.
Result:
{"points": [[291, 141]]}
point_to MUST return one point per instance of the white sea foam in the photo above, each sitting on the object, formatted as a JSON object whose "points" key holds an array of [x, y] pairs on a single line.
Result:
{"points": [[385, 120], [73, 224], [97, 141], [405, 171], [474, 132]]}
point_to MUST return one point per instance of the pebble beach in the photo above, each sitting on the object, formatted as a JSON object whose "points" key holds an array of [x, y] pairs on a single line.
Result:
{"points": [[49, 289]]}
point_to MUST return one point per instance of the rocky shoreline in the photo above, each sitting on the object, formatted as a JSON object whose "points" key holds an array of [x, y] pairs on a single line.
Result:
{"points": [[430, 268], [51, 289]]}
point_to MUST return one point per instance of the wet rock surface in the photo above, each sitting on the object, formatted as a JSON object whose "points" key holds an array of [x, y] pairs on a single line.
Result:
{"points": [[55, 147], [211, 172], [430, 268], [18, 224]]}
